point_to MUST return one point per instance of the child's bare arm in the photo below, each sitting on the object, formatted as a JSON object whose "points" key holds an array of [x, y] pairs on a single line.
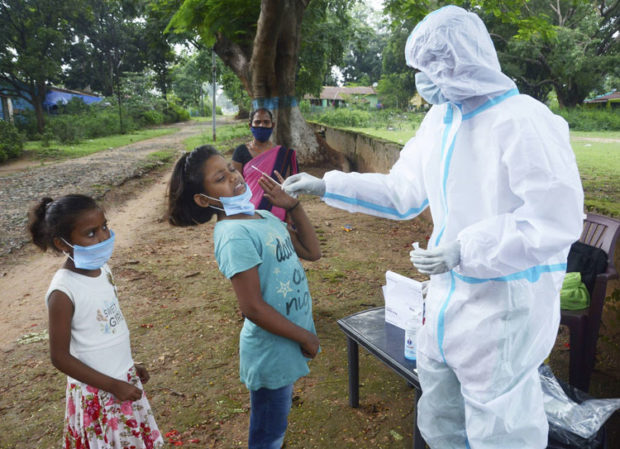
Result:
{"points": [[304, 237], [60, 314], [247, 288]]}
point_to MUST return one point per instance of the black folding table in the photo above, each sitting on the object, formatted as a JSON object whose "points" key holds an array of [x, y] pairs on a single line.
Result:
{"points": [[386, 342]]}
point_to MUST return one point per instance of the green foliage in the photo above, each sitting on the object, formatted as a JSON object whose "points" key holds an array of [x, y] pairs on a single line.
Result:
{"points": [[189, 77], [344, 117], [175, 113], [109, 40], [326, 29], [388, 124], [99, 120], [232, 19], [74, 106], [590, 118], [89, 146], [11, 143], [66, 130], [33, 43], [234, 89], [26, 122], [362, 56], [569, 46], [304, 107], [396, 89], [151, 117]]}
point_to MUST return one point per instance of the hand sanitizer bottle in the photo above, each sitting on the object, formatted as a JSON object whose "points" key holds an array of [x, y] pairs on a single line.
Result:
{"points": [[411, 334]]}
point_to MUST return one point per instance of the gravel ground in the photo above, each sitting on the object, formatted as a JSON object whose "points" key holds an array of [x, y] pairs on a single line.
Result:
{"points": [[91, 175]]}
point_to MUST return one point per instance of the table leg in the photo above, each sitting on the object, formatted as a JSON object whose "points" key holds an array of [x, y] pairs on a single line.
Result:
{"points": [[418, 441], [354, 381]]}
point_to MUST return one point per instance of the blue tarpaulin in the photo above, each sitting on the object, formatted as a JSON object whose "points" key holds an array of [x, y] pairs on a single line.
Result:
{"points": [[57, 97]]}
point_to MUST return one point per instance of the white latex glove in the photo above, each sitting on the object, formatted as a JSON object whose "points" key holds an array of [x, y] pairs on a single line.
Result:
{"points": [[437, 260], [303, 183]]}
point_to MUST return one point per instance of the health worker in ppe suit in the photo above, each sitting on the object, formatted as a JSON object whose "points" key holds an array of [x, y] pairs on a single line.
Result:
{"points": [[500, 178]]}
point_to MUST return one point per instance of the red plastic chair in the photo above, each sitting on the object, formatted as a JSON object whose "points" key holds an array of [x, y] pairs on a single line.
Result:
{"points": [[601, 232]]}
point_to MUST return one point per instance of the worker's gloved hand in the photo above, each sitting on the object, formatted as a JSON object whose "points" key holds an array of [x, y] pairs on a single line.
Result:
{"points": [[437, 260], [303, 183]]}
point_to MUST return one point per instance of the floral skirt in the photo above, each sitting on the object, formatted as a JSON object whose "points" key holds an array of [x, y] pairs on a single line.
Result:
{"points": [[96, 419]]}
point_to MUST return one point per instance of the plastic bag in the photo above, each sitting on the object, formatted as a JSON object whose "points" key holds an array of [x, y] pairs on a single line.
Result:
{"points": [[574, 421]]}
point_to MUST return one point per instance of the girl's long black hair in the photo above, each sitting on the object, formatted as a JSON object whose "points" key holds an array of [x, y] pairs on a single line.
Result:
{"points": [[186, 181]]}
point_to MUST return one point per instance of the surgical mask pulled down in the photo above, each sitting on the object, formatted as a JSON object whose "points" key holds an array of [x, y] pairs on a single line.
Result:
{"points": [[233, 205], [92, 257], [428, 90]]}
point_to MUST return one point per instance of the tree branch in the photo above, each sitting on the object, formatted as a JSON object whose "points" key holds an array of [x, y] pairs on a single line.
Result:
{"points": [[234, 57]]}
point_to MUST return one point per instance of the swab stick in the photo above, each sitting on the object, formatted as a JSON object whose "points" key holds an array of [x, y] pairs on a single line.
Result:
{"points": [[259, 170]]}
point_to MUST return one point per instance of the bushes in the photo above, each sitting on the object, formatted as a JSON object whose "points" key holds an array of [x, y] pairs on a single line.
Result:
{"points": [[590, 119], [346, 117], [11, 143], [151, 118], [174, 113], [355, 118], [65, 129], [98, 120]]}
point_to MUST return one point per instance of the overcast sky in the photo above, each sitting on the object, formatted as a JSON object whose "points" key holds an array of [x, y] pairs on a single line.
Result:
{"points": [[375, 4]]}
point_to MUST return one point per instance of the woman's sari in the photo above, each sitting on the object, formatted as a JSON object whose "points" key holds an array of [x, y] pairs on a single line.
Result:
{"points": [[278, 159]]}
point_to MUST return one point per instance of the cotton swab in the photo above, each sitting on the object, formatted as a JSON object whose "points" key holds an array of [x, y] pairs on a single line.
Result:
{"points": [[259, 170]]}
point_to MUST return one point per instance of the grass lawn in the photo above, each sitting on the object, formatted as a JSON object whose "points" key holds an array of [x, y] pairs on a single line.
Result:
{"points": [[399, 134], [86, 147], [599, 165]]}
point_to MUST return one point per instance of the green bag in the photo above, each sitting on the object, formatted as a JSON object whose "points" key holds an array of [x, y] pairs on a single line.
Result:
{"points": [[574, 294]]}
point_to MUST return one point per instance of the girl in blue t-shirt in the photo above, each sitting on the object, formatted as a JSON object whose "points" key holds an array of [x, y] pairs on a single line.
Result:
{"points": [[260, 255]]}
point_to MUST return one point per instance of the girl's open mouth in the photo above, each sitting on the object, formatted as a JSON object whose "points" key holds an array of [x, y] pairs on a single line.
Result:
{"points": [[239, 188]]}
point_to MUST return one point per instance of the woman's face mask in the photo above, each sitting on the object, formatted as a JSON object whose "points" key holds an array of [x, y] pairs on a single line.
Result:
{"points": [[233, 205], [428, 90], [92, 257], [261, 134]]}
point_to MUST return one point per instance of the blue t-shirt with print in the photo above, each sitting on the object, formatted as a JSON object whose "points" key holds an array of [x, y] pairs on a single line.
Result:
{"points": [[267, 360]]}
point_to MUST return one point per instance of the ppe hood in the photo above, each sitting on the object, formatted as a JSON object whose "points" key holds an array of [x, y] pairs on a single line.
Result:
{"points": [[454, 49]]}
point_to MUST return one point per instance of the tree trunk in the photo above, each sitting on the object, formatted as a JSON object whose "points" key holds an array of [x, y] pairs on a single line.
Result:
{"points": [[38, 97], [569, 95], [268, 69]]}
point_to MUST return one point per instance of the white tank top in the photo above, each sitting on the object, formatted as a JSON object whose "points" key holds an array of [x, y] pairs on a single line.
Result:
{"points": [[99, 333]]}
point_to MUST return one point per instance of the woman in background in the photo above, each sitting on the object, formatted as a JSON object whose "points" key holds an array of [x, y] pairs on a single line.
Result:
{"points": [[259, 156]]}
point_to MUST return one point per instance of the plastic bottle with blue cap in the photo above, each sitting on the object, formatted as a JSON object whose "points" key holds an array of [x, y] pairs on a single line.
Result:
{"points": [[411, 333]]}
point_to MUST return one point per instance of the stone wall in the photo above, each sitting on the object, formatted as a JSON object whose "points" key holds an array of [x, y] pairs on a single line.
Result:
{"points": [[363, 153]]}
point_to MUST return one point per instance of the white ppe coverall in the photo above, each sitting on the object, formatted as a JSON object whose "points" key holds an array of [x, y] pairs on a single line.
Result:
{"points": [[498, 173]]}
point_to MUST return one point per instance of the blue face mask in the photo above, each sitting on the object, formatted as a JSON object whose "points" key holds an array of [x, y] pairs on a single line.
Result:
{"points": [[261, 134], [428, 90], [92, 257], [233, 205]]}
